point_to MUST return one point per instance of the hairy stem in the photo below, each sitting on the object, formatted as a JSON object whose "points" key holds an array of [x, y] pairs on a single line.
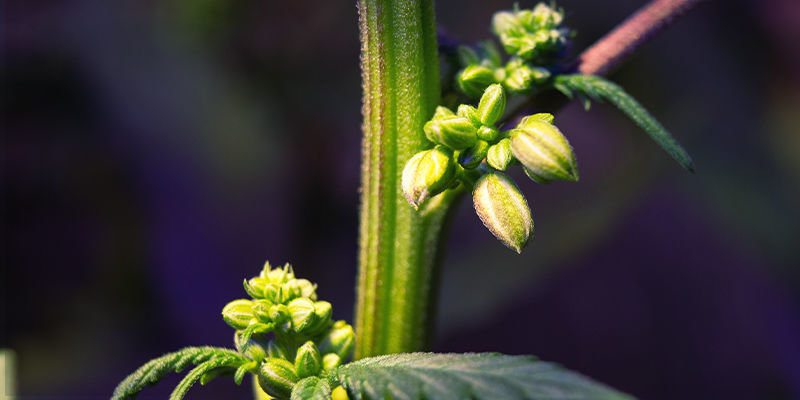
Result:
{"points": [[398, 246], [638, 29]]}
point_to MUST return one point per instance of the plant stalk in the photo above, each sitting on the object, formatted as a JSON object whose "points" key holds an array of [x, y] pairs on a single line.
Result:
{"points": [[398, 246]]}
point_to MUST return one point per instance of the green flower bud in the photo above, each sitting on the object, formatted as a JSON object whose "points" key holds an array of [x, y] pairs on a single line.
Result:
{"points": [[503, 209], [279, 314], [474, 79], [339, 340], [488, 133], [339, 393], [472, 157], [331, 361], [427, 174], [255, 349], [506, 23], [544, 150], [238, 313], [262, 310], [492, 104], [544, 117], [544, 16], [308, 361], [499, 156], [279, 276], [255, 287], [301, 311], [442, 113], [277, 377], [301, 288], [276, 350], [519, 80], [456, 133], [467, 56], [274, 292], [471, 113]]}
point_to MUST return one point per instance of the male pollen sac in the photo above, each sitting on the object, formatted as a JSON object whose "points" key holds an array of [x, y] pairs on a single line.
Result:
{"points": [[302, 314], [474, 79], [544, 151], [455, 132], [238, 313], [339, 340], [277, 377], [503, 209], [427, 174], [308, 361], [492, 104], [499, 156]]}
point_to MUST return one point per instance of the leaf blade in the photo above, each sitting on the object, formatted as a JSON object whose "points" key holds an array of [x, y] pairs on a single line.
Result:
{"points": [[312, 388], [460, 376], [600, 89]]}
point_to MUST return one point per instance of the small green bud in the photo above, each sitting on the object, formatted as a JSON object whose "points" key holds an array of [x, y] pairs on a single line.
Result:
{"points": [[279, 314], [339, 393], [544, 150], [339, 340], [301, 288], [261, 310], [441, 113], [474, 79], [301, 311], [471, 113], [519, 80], [472, 157], [503, 209], [488, 133], [492, 104], [277, 377], [427, 174], [456, 133], [544, 16], [467, 56], [308, 361], [255, 287], [238, 313], [331, 361], [544, 117], [275, 293], [499, 156], [506, 23], [279, 276], [276, 350]]}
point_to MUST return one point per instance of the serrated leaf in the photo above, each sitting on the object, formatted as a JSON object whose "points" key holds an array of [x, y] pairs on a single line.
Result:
{"points": [[600, 89], [153, 371], [194, 375], [312, 388], [477, 376]]}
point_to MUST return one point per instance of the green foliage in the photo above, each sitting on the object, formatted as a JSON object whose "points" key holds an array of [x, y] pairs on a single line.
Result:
{"points": [[153, 371], [600, 89], [478, 376]]}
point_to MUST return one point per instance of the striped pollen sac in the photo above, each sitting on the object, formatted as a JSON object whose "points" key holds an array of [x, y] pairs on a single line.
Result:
{"points": [[544, 151], [503, 209], [427, 174]]}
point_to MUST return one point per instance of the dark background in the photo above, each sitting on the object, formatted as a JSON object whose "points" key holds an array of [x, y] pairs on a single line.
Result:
{"points": [[157, 152]]}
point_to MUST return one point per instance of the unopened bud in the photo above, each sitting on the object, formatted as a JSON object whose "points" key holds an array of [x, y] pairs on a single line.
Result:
{"points": [[499, 156], [301, 311], [255, 287], [261, 310], [506, 23], [474, 79], [331, 361], [488, 133], [427, 174], [238, 313], [456, 133], [471, 113], [339, 393], [472, 157], [492, 104], [339, 340], [441, 113], [277, 377], [543, 117], [503, 209], [301, 288], [544, 150], [308, 361], [545, 17]]}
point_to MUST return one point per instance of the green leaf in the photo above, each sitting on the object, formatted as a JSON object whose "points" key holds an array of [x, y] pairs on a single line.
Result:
{"points": [[600, 89], [153, 371], [312, 388], [195, 374], [476, 376]]}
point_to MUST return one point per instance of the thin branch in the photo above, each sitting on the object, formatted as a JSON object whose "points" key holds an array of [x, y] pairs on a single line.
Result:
{"points": [[638, 29]]}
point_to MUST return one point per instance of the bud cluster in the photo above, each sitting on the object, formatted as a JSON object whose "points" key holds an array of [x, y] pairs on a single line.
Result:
{"points": [[286, 333], [534, 38], [471, 150]]}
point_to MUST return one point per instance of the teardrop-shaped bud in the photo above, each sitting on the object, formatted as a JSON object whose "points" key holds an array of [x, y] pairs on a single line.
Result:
{"points": [[503, 209], [472, 157], [506, 23], [488, 133], [339, 340], [238, 313], [456, 133], [262, 310], [331, 361], [277, 377], [544, 117], [544, 150], [301, 311], [301, 288], [427, 174], [471, 113], [255, 287], [474, 79], [492, 104], [519, 80], [308, 361], [442, 112], [499, 156], [339, 393]]}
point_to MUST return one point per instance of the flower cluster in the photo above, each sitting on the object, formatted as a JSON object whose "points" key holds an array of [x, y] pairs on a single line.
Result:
{"points": [[535, 40], [304, 340], [470, 150]]}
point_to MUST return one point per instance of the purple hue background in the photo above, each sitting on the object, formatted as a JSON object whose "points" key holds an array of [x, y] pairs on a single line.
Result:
{"points": [[156, 152]]}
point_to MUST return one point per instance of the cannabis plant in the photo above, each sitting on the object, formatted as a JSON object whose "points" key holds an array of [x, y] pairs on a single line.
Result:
{"points": [[423, 149]]}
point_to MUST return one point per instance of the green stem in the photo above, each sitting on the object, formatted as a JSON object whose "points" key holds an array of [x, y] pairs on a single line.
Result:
{"points": [[398, 246]]}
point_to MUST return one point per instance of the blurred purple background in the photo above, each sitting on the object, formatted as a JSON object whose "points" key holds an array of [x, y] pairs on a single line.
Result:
{"points": [[157, 152]]}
